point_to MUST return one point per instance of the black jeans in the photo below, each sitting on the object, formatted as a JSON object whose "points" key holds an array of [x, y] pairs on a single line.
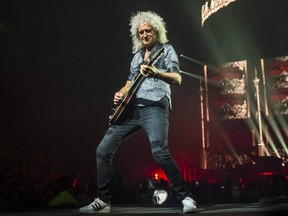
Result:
{"points": [[155, 121]]}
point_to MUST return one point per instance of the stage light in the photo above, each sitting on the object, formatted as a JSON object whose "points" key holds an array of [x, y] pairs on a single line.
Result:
{"points": [[74, 183], [159, 196], [153, 191], [156, 176]]}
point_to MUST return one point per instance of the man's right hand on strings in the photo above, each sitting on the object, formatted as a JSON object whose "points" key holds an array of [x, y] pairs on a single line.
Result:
{"points": [[118, 97]]}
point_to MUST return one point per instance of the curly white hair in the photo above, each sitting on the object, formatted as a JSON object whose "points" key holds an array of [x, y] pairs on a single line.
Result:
{"points": [[159, 26]]}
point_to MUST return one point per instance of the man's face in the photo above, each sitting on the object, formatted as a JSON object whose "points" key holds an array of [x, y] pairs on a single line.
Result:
{"points": [[147, 35]]}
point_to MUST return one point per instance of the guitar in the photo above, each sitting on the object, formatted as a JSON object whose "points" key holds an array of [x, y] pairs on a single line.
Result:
{"points": [[118, 110]]}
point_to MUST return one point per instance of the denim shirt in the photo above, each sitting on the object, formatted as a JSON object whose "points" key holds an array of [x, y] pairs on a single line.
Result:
{"points": [[152, 90]]}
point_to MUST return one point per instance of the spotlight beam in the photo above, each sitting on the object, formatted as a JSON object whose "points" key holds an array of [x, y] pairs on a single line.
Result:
{"points": [[197, 61], [192, 75]]}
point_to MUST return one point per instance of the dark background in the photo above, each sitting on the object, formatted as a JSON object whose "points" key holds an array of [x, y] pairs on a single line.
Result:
{"points": [[62, 61]]}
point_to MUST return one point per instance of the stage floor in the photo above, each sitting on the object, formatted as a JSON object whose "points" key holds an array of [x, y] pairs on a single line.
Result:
{"points": [[223, 209]]}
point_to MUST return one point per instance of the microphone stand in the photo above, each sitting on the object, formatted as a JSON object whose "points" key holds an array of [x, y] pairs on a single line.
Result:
{"points": [[203, 130], [258, 115]]}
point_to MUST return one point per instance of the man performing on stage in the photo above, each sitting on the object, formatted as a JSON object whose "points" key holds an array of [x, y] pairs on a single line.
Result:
{"points": [[143, 103]]}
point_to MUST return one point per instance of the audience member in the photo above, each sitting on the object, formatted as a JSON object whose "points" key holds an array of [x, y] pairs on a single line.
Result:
{"points": [[64, 197], [237, 193], [28, 177], [81, 193]]}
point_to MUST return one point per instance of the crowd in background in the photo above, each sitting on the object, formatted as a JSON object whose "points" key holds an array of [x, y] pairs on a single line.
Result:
{"points": [[43, 179]]}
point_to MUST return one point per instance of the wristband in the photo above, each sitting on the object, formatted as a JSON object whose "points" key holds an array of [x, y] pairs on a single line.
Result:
{"points": [[156, 78]]}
